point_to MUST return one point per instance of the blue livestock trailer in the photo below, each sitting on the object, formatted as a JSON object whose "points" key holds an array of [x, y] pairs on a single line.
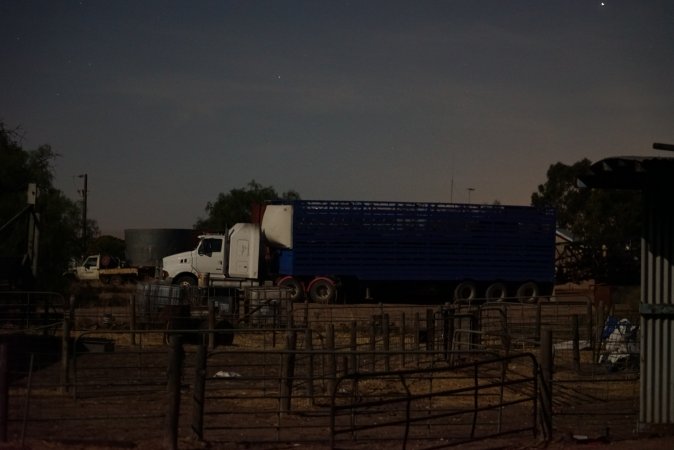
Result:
{"points": [[446, 250]]}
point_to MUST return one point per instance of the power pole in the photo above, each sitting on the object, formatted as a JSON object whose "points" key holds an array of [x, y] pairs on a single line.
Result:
{"points": [[84, 214]]}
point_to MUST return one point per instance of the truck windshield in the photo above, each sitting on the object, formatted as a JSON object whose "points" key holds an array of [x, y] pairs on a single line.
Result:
{"points": [[91, 261], [210, 245]]}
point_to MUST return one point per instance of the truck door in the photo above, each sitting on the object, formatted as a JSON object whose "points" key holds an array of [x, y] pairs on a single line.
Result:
{"points": [[210, 256], [89, 269]]}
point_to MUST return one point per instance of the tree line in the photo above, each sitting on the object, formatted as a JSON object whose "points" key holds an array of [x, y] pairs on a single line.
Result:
{"points": [[605, 224]]}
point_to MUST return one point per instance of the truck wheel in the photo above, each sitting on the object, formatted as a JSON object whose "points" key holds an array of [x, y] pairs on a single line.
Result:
{"points": [[185, 281], [465, 291], [528, 292], [496, 292], [322, 290], [294, 288]]}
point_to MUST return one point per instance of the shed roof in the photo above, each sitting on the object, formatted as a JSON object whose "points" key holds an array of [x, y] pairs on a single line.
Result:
{"points": [[629, 172]]}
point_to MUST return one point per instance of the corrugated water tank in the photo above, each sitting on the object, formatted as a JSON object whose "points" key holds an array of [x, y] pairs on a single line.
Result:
{"points": [[147, 247]]}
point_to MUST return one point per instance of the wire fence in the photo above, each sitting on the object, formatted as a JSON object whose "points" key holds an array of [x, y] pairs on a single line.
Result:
{"points": [[257, 369]]}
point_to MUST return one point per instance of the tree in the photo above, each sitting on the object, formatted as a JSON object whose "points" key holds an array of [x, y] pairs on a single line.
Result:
{"points": [[107, 245], [237, 206], [58, 217], [606, 225]]}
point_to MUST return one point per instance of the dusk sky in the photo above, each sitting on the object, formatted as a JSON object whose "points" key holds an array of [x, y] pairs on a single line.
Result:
{"points": [[165, 104]]}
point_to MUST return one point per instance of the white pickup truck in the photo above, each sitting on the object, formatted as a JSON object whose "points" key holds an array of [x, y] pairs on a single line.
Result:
{"points": [[104, 268]]}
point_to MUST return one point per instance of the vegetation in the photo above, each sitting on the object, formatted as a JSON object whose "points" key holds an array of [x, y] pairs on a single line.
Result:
{"points": [[59, 218], [237, 206], [605, 224]]}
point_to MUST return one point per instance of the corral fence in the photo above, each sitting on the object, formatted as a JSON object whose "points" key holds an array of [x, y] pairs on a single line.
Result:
{"points": [[250, 367]]}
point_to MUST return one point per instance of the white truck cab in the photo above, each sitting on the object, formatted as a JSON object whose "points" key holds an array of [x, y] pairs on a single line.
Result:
{"points": [[89, 269], [228, 258]]}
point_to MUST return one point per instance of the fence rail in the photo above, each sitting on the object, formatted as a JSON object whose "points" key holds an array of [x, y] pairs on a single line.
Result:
{"points": [[282, 372]]}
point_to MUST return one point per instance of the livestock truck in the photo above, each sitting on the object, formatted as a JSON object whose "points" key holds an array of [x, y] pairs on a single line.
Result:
{"points": [[320, 249]]}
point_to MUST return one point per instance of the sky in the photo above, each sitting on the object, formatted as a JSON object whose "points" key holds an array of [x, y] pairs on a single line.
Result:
{"points": [[166, 104]]}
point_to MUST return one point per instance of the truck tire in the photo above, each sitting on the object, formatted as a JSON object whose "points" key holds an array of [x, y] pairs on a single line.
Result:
{"points": [[528, 292], [185, 281], [294, 287], [496, 292], [466, 290], [322, 290]]}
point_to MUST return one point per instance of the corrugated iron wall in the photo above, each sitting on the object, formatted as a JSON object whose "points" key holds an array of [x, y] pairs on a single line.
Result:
{"points": [[657, 310]]}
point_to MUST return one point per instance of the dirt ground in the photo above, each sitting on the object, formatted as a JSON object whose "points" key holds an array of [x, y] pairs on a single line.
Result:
{"points": [[562, 439], [563, 442]]}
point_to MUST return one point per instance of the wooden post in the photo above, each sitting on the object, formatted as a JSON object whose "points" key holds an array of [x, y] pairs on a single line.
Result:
{"points": [[354, 346], [475, 340], [417, 336], [537, 325], [430, 331], [387, 341], [288, 372], [332, 359], [450, 330], [403, 334], [547, 366], [309, 345], [132, 317], [590, 323], [4, 390], [211, 323], [65, 344], [373, 343], [174, 372], [576, 342], [505, 334], [198, 396]]}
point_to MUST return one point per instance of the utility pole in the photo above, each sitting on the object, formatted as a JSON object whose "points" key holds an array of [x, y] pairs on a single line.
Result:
{"points": [[470, 189], [84, 214], [33, 227]]}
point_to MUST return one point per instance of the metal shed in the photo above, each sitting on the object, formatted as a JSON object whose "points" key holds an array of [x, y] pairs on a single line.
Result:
{"points": [[655, 178]]}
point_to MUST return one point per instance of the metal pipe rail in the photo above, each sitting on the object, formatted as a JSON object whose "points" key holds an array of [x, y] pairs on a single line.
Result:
{"points": [[461, 409]]}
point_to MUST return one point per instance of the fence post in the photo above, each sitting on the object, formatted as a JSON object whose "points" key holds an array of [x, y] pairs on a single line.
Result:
{"points": [[132, 317], [354, 346], [387, 341], [309, 345], [430, 330], [174, 372], [403, 333], [332, 359], [505, 333], [373, 343], [576, 342], [198, 397], [417, 336], [65, 344], [590, 323], [288, 373], [447, 329], [211, 322], [537, 325], [546, 371], [4, 390]]}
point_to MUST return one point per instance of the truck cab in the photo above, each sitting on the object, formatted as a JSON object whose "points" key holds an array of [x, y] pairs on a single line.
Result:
{"points": [[88, 270], [229, 258]]}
